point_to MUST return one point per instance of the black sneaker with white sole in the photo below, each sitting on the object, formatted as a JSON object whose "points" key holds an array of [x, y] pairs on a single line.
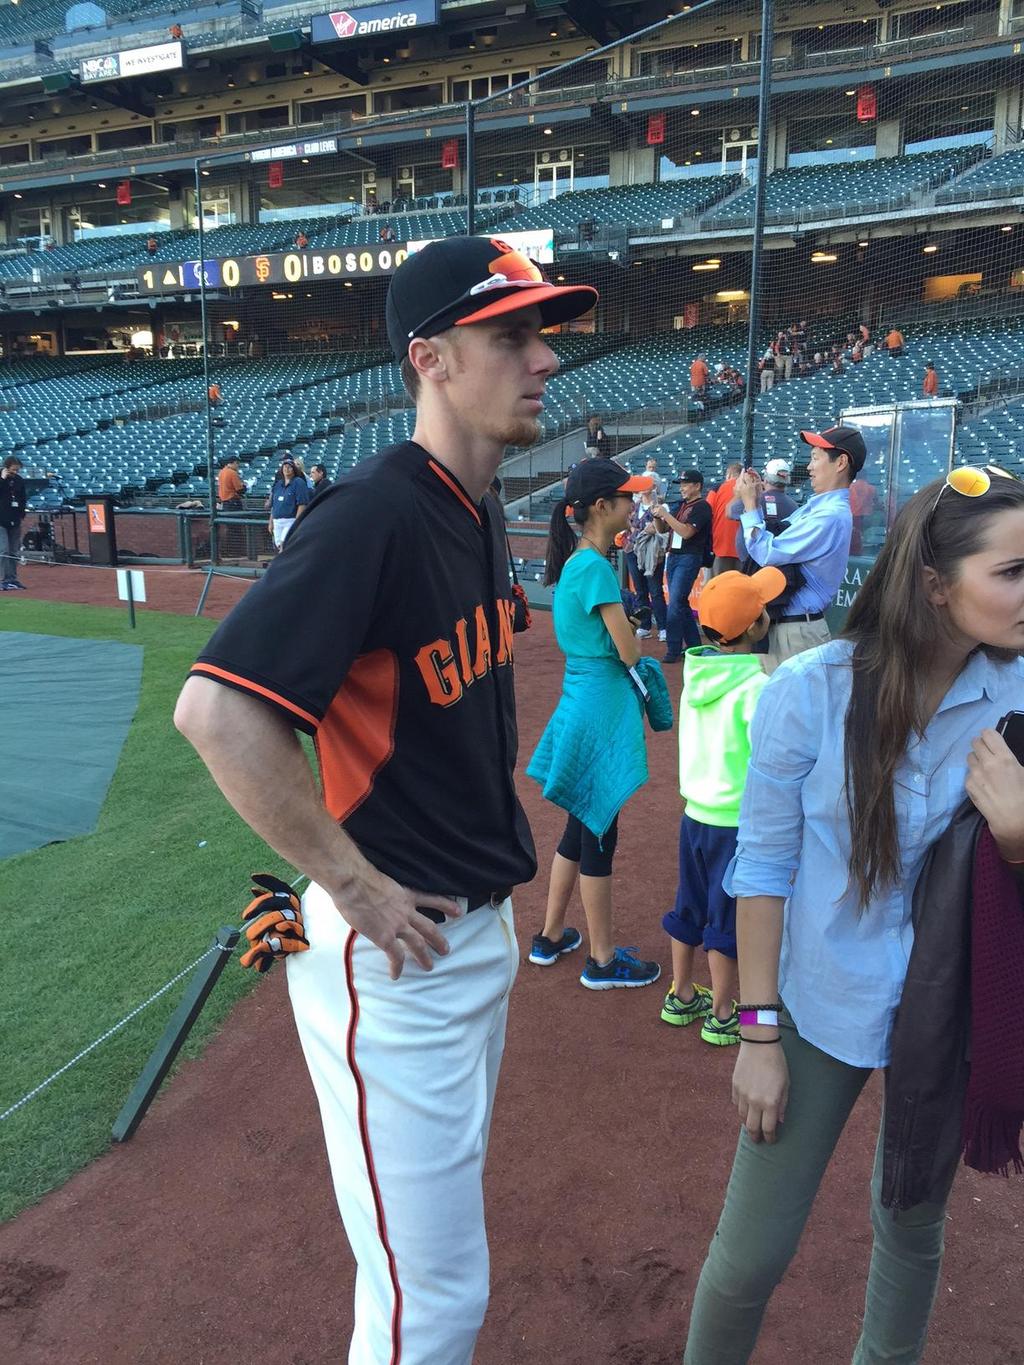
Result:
{"points": [[625, 969], [544, 951]]}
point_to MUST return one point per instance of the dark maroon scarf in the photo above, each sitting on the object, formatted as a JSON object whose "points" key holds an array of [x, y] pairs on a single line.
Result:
{"points": [[994, 1109]]}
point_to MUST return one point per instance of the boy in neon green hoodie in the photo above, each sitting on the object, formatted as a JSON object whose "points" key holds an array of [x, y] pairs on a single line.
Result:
{"points": [[723, 683]]}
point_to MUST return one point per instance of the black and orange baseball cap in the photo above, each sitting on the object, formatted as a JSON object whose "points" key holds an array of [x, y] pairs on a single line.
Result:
{"points": [[593, 479], [460, 280], [848, 440]]}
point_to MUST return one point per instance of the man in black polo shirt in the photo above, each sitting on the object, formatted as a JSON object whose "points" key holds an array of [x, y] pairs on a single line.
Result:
{"points": [[385, 630], [689, 527]]}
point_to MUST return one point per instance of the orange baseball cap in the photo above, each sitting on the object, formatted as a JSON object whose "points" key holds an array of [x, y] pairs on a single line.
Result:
{"points": [[732, 602]]}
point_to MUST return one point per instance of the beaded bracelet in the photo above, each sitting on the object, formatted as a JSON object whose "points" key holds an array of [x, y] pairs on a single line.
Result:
{"points": [[775, 1005]]}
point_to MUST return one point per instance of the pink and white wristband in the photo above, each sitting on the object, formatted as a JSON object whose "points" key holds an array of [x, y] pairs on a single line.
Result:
{"points": [[754, 1018]]}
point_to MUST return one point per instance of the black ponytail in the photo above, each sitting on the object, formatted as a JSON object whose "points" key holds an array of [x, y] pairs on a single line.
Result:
{"points": [[561, 543]]}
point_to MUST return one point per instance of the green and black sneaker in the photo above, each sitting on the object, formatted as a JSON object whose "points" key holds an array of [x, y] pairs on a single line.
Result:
{"points": [[683, 1012], [721, 1032]]}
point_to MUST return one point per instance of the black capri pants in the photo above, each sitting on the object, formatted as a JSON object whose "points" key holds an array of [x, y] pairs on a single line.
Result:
{"points": [[581, 846]]}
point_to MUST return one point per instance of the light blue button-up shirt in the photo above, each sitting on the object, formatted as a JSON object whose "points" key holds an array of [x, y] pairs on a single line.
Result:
{"points": [[841, 972], [817, 538]]}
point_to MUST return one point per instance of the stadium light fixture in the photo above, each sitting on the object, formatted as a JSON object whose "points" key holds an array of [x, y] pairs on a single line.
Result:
{"points": [[548, 132], [823, 257], [1007, 227], [930, 249], [849, 92], [695, 113], [706, 265]]}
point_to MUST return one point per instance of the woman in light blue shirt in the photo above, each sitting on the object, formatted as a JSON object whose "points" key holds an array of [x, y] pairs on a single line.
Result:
{"points": [[862, 751]]}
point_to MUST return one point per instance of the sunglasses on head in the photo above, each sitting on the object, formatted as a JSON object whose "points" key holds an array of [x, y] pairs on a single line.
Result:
{"points": [[971, 481]]}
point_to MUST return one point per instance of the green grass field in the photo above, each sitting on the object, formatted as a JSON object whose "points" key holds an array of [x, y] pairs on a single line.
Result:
{"points": [[95, 925]]}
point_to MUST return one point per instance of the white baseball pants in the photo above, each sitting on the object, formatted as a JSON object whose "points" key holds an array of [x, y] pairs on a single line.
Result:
{"points": [[405, 1073]]}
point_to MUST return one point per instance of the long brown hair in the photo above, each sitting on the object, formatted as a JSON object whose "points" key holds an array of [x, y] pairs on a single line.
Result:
{"points": [[894, 627]]}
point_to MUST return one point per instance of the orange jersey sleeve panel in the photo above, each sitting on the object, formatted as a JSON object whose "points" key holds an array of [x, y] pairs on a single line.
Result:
{"points": [[356, 737]]}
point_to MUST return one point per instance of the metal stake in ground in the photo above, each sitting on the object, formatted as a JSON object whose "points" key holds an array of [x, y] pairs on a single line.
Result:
{"points": [[161, 1059]]}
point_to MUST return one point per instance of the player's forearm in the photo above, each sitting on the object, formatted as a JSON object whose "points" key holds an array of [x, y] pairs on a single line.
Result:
{"points": [[258, 763]]}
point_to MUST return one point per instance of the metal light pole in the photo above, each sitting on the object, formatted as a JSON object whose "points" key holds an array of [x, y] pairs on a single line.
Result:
{"points": [[470, 168], [763, 102], [211, 473]]}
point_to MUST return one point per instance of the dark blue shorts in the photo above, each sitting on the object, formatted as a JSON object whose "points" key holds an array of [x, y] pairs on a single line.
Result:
{"points": [[703, 912]]}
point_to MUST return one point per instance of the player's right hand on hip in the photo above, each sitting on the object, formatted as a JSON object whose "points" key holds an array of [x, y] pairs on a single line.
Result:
{"points": [[387, 914]]}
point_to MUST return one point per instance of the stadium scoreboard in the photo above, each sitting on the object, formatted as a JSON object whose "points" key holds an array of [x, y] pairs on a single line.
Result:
{"points": [[309, 264], [272, 268]]}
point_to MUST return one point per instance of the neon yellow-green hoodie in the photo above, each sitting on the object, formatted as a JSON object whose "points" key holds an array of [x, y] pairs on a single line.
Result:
{"points": [[719, 696]]}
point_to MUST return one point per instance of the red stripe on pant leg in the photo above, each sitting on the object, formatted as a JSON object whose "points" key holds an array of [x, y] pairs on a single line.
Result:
{"points": [[364, 1136]]}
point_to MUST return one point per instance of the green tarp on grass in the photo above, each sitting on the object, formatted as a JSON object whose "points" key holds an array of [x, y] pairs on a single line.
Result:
{"points": [[65, 708]]}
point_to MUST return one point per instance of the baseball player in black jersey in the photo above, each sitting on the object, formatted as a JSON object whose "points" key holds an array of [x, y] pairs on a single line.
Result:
{"points": [[384, 629]]}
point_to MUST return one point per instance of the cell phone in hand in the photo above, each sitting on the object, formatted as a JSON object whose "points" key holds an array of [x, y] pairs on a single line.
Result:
{"points": [[1011, 727]]}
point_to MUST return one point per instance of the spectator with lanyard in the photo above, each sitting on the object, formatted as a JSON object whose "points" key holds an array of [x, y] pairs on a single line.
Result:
{"points": [[816, 542], [689, 528], [13, 505], [862, 751], [288, 501], [598, 712]]}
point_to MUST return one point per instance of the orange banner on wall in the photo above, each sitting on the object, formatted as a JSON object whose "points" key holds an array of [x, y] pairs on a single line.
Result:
{"points": [[97, 518]]}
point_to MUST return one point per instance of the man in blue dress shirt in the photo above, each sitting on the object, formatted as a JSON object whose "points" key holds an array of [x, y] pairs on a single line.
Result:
{"points": [[817, 539]]}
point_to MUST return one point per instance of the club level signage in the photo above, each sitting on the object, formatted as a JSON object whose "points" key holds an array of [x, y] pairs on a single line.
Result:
{"points": [[318, 147], [273, 268], [366, 21]]}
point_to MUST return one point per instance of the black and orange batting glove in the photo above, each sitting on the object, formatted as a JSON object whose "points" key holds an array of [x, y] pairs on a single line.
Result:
{"points": [[273, 923], [521, 618]]}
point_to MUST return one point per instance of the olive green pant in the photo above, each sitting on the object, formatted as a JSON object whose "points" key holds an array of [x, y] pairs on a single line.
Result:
{"points": [[769, 1197]]}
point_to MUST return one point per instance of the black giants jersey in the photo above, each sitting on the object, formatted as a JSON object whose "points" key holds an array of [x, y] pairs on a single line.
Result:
{"points": [[384, 629]]}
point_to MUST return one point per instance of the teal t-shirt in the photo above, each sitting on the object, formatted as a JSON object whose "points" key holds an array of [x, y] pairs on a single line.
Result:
{"points": [[586, 583]]}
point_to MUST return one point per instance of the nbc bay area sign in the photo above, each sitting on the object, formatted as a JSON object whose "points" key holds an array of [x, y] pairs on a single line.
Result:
{"points": [[366, 21]]}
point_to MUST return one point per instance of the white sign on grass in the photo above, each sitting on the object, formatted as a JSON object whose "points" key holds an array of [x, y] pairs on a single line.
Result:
{"points": [[138, 585]]}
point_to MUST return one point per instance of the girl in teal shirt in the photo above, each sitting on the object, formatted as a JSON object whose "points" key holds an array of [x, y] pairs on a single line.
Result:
{"points": [[591, 756]]}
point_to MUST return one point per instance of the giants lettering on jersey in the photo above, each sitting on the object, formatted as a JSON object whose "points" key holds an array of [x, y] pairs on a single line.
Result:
{"points": [[449, 666]]}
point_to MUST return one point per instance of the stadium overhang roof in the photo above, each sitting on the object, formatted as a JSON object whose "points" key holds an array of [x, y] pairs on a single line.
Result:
{"points": [[802, 81]]}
